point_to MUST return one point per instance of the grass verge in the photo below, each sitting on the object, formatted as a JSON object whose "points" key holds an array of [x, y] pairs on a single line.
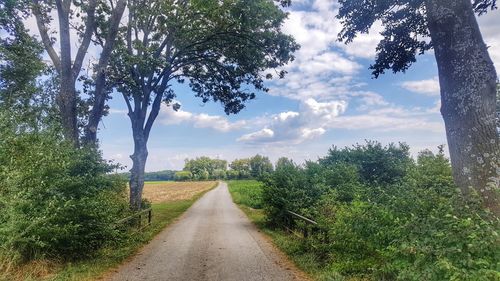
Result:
{"points": [[164, 213], [243, 193]]}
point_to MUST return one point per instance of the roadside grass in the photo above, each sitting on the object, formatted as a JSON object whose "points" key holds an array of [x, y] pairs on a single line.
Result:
{"points": [[245, 193], [110, 257]]}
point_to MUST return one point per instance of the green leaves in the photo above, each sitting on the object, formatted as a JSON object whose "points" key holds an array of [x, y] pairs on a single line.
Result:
{"points": [[405, 33], [220, 47], [382, 216], [56, 203]]}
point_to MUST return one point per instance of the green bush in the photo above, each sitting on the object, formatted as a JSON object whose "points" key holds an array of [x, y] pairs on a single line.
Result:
{"points": [[56, 201], [290, 189], [183, 176], [383, 216], [376, 164]]}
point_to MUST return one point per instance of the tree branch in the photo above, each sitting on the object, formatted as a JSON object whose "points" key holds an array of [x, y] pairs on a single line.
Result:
{"points": [[43, 30], [155, 108], [87, 36]]}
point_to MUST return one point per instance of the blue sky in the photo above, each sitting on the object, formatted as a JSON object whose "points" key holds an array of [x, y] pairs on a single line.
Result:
{"points": [[328, 98]]}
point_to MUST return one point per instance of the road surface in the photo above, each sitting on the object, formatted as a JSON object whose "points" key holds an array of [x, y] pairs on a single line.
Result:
{"points": [[213, 240]]}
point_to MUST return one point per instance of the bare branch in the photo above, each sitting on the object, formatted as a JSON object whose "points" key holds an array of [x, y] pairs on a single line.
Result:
{"points": [[87, 36], [43, 30]]}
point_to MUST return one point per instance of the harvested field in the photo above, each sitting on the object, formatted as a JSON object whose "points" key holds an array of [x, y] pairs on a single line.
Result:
{"points": [[174, 191]]}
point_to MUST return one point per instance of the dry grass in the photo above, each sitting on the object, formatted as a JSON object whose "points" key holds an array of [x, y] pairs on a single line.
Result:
{"points": [[33, 270], [157, 192]]}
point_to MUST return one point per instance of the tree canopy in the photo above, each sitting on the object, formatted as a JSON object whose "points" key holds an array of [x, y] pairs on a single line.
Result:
{"points": [[224, 51], [405, 33], [467, 75]]}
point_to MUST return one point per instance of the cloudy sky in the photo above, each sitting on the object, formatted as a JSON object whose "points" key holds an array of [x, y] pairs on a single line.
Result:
{"points": [[328, 98]]}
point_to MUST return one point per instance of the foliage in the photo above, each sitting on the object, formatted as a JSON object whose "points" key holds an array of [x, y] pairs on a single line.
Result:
{"points": [[204, 168], [405, 35], [404, 221], [183, 176], [246, 192], [260, 166], [55, 203], [286, 190], [240, 168], [111, 255], [376, 164], [413, 27], [189, 40], [254, 167], [24, 104], [166, 175]]}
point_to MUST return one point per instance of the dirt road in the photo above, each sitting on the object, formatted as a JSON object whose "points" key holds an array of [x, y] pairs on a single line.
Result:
{"points": [[213, 240]]}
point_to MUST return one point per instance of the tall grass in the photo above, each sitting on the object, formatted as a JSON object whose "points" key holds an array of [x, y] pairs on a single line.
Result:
{"points": [[247, 193]]}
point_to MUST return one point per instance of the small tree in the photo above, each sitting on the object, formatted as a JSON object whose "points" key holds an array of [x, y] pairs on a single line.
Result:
{"points": [[466, 74], [221, 48]]}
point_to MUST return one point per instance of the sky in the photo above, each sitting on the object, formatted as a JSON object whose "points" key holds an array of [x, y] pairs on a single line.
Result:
{"points": [[327, 98]]}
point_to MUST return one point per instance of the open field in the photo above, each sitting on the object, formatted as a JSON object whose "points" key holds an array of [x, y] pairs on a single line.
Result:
{"points": [[168, 191]]}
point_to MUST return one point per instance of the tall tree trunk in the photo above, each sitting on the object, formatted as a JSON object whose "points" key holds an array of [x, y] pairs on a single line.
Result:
{"points": [[66, 101], [468, 97], [67, 96], [100, 94], [138, 168], [141, 128]]}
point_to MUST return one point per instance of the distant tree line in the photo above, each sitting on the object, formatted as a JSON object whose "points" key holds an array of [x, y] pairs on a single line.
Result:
{"points": [[165, 175], [206, 168]]}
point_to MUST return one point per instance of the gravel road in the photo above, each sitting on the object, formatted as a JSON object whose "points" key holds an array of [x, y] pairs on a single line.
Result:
{"points": [[213, 240]]}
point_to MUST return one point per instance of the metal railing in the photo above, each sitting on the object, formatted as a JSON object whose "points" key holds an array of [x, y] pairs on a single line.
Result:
{"points": [[136, 218], [305, 230]]}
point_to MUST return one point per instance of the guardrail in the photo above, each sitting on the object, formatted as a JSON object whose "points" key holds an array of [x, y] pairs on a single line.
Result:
{"points": [[138, 215], [305, 230]]}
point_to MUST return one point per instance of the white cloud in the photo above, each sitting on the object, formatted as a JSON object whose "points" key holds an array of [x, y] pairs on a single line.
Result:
{"points": [[320, 70], [364, 45], [315, 118], [297, 127], [264, 134], [429, 87], [489, 25], [170, 117]]}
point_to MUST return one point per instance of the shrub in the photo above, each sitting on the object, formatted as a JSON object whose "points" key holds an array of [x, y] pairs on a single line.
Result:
{"points": [[376, 164], [383, 216], [288, 189], [56, 201], [419, 228], [183, 176]]}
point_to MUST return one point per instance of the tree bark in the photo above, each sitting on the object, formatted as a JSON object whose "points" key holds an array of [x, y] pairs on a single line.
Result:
{"points": [[467, 78], [138, 169], [141, 128], [67, 95]]}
